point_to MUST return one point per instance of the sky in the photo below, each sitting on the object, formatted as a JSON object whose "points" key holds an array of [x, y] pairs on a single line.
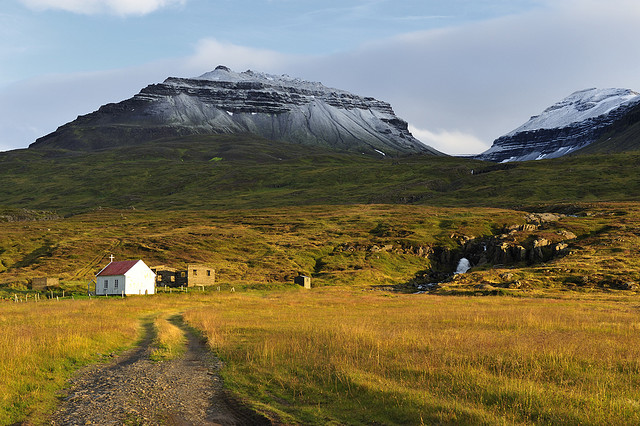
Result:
{"points": [[461, 72]]}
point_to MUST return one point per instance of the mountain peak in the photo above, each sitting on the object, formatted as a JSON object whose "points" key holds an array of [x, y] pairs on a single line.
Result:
{"points": [[566, 126], [222, 101]]}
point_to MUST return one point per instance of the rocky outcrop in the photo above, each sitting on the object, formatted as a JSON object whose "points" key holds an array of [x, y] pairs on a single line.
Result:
{"points": [[225, 102]]}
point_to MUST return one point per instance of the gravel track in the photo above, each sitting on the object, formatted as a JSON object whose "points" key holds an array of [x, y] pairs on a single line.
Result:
{"points": [[134, 390]]}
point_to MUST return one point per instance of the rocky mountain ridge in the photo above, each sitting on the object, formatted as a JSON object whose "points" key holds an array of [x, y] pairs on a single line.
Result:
{"points": [[567, 126], [226, 102]]}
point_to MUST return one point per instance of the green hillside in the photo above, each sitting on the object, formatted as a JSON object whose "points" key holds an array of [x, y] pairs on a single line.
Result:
{"points": [[221, 172]]}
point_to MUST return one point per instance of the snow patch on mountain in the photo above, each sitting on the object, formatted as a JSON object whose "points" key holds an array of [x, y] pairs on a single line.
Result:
{"points": [[579, 106], [224, 74]]}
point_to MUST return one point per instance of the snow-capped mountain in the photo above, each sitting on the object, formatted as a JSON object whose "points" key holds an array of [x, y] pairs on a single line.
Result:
{"points": [[224, 102], [567, 126]]}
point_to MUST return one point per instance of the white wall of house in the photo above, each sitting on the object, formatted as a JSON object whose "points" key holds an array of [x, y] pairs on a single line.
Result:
{"points": [[139, 279]]}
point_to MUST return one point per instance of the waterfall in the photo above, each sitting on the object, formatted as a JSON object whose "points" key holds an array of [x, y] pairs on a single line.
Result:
{"points": [[463, 266]]}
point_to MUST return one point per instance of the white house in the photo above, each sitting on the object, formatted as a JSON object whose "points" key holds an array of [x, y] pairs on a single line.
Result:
{"points": [[126, 277]]}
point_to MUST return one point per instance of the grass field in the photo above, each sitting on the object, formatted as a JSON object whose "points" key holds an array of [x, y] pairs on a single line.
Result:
{"points": [[339, 355], [356, 358]]}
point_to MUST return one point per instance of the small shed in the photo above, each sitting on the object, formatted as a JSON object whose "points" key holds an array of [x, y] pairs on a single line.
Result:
{"points": [[43, 283], [125, 277], [303, 281]]}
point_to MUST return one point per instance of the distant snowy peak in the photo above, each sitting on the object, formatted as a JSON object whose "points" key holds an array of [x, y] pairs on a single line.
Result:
{"points": [[565, 127], [579, 106]]}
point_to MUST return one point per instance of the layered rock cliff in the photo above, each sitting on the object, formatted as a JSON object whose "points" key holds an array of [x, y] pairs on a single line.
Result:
{"points": [[224, 102]]}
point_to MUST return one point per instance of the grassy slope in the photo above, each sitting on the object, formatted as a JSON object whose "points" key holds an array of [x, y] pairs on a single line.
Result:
{"points": [[359, 245], [250, 246], [222, 172]]}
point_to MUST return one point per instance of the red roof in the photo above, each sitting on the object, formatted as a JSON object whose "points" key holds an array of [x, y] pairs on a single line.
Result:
{"points": [[117, 268]]}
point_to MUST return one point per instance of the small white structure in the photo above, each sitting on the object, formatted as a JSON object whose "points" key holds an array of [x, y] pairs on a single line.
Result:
{"points": [[126, 277]]}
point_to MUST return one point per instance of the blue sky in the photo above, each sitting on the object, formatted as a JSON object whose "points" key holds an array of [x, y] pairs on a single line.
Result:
{"points": [[52, 36], [462, 72]]}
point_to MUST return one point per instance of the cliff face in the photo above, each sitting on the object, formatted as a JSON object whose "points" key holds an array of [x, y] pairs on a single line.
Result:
{"points": [[569, 125], [224, 102]]}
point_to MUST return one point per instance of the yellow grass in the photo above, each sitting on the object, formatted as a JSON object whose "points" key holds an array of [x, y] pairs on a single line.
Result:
{"points": [[170, 340], [337, 355], [41, 343], [344, 357]]}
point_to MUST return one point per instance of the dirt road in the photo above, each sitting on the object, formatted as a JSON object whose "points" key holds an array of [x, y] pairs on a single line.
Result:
{"points": [[134, 390]]}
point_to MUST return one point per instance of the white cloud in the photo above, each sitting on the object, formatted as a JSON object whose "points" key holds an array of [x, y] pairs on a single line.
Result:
{"points": [[210, 53], [450, 142], [91, 7]]}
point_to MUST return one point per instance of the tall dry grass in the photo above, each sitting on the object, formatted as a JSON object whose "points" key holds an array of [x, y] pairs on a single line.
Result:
{"points": [[42, 344], [170, 341], [345, 356], [335, 356]]}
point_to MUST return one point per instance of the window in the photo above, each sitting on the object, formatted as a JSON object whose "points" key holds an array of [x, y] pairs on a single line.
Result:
{"points": [[159, 278], [182, 274], [106, 284], [173, 278], [115, 284], [195, 272], [208, 272]]}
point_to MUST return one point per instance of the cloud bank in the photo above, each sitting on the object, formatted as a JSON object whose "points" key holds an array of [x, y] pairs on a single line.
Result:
{"points": [[92, 7]]}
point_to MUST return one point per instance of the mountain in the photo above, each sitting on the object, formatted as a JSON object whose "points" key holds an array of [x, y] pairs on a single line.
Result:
{"points": [[567, 126], [225, 102]]}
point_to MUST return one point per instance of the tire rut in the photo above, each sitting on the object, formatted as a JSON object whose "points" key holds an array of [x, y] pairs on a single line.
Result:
{"points": [[132, 389]]}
